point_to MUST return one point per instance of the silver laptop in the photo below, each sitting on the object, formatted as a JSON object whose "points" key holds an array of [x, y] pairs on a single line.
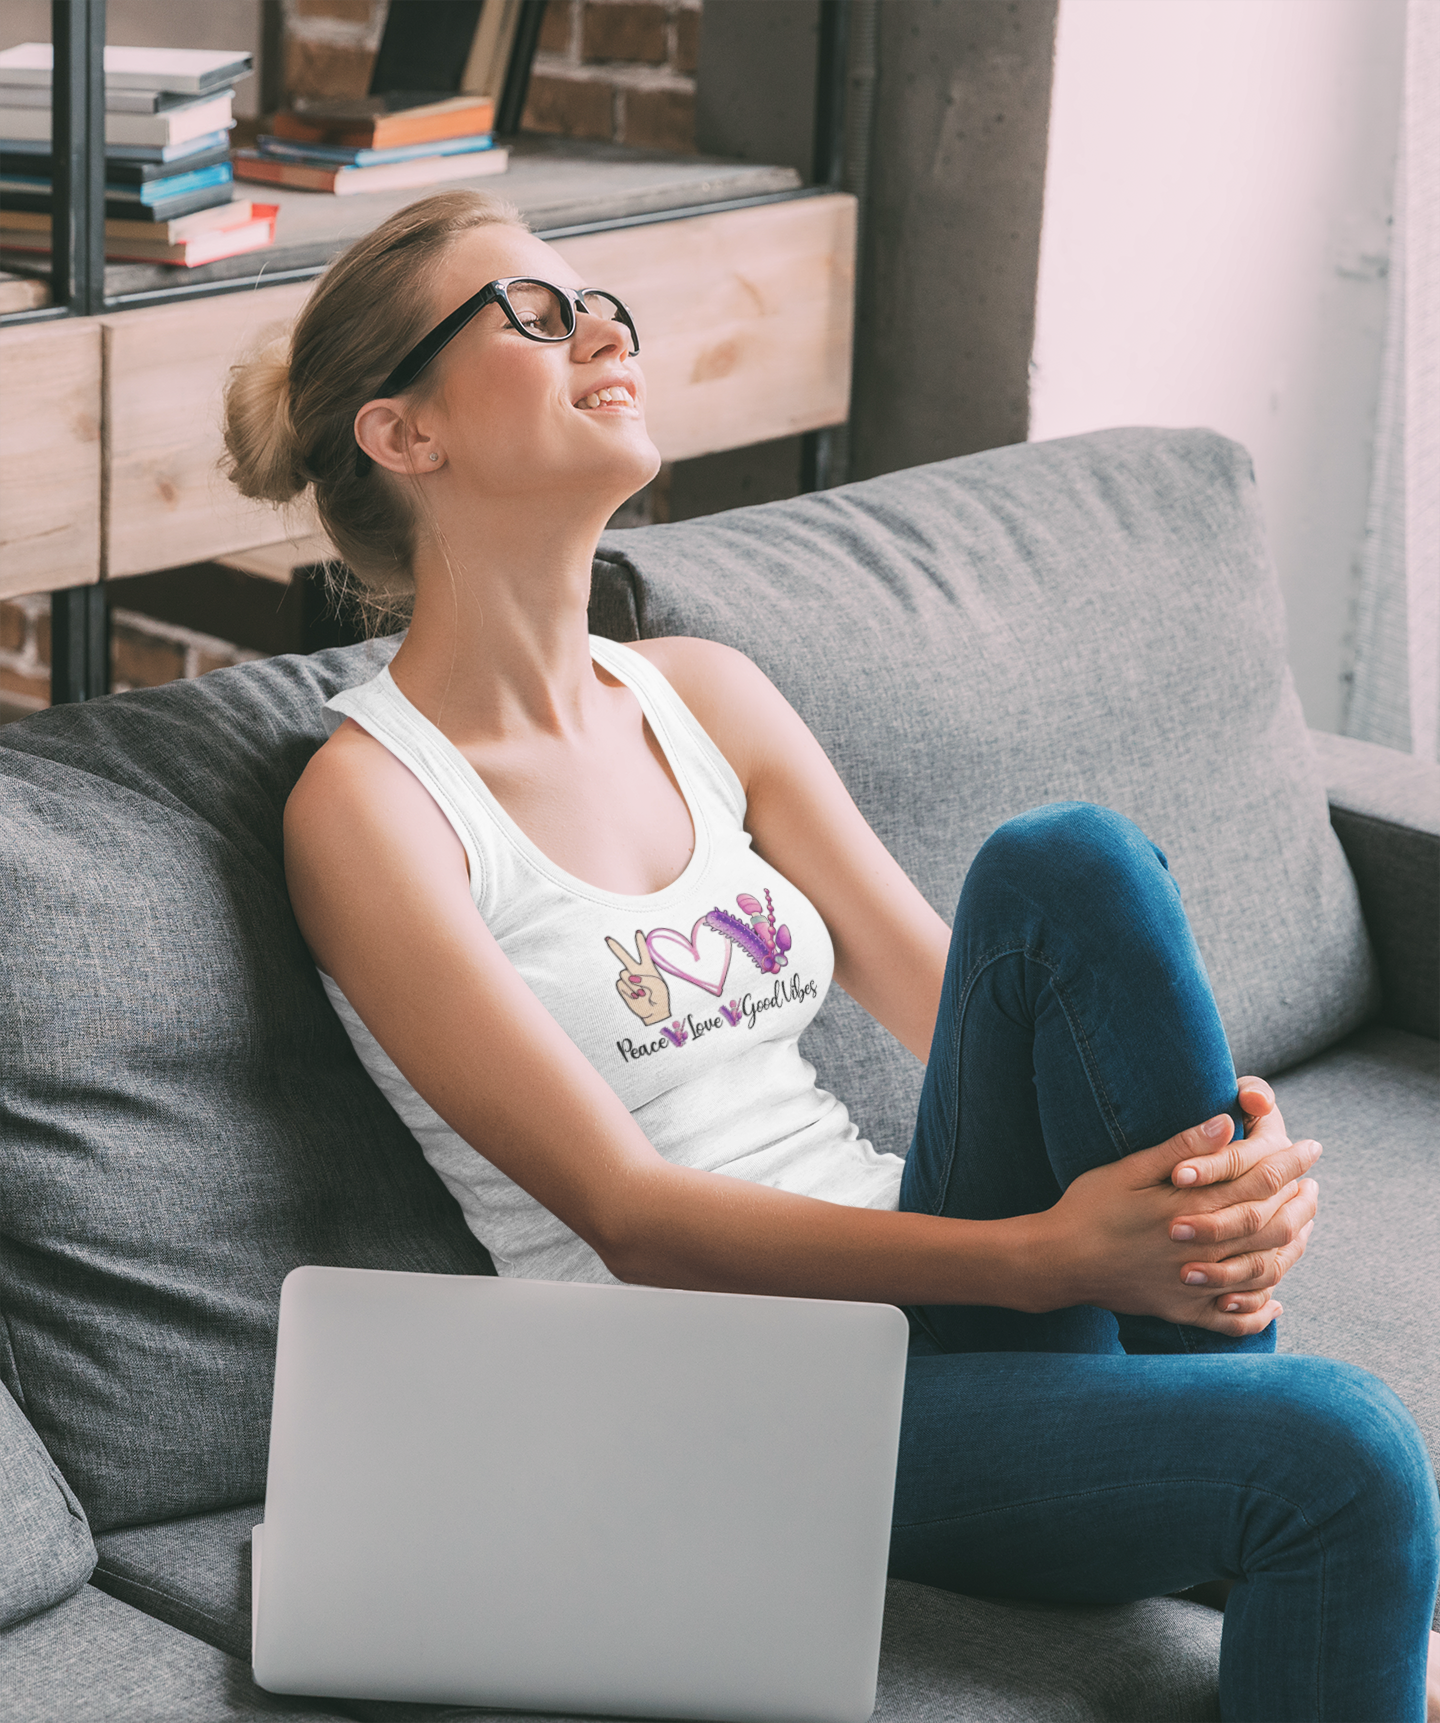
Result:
{"points": [[602, 1499]]}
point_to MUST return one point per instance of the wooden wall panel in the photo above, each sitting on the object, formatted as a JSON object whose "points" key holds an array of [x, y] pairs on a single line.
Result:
{"points": [[166, 369], [50, 425], [745, 319]]}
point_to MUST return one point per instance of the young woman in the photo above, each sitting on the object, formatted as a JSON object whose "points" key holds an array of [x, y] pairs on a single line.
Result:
{"points": [[526, 853]]}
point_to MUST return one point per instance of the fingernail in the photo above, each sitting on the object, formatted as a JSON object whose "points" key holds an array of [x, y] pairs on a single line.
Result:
{"points": [[1182, 1232], [1220, 1127], [1195, 1278], [1233, 1306], [1186, 1176]]}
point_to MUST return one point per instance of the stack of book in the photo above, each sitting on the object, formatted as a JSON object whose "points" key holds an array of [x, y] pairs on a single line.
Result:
{"points": [[168, 191], [375, 143]]}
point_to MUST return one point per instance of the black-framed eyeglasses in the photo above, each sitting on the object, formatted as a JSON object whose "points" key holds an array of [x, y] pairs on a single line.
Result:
{"points": [[538, 310]]}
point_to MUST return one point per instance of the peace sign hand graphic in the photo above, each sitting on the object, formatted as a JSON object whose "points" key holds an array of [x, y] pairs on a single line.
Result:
{"points": [[640, 984]]}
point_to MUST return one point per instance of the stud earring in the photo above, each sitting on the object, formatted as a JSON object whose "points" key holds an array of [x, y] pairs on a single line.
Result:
{"points": [[434, 457]]}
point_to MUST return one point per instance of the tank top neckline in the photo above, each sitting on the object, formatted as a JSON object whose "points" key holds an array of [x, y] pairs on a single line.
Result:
{"points": [[609, 658]]}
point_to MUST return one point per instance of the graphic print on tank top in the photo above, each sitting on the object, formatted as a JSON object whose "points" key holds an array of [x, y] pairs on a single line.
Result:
{"points": [[702, 959]]}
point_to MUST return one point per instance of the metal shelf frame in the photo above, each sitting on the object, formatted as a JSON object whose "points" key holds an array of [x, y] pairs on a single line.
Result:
{"points": [[79, 618]]}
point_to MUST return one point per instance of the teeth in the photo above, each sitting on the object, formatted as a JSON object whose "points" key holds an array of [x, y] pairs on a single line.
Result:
{"points": [[608, 396]]}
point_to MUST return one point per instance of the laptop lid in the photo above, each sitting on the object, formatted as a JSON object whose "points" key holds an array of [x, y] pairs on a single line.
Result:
{"points": [[616, 1500]]}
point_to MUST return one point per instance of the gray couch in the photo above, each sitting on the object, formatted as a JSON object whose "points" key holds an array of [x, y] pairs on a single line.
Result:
{"points": [[182, 1119]]}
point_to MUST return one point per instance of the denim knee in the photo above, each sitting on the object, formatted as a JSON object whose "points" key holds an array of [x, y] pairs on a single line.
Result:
{"points": [[1064, 830], [1079, 851], [1366, 1467]]}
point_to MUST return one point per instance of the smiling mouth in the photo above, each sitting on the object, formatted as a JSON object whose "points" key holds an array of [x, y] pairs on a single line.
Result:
{"points": [[618, 396]]}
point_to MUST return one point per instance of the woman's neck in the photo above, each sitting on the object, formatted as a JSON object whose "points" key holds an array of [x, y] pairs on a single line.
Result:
{"points": [[498, 646]]}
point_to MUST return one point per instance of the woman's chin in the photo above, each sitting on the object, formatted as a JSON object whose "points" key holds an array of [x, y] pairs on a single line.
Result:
{"points": [[635, 462], [653, 463]]}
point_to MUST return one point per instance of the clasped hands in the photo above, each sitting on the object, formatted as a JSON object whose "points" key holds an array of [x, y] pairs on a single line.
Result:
{"points": [[1197, 1230]]}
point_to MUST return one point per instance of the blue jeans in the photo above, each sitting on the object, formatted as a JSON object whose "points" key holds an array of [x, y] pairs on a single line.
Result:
{"points": [[1078, 1457]]}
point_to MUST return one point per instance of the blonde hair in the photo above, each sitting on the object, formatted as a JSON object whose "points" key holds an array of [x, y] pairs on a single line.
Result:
{"points": [[290, 408]]}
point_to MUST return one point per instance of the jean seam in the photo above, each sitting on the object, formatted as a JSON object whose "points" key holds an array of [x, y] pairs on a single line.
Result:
{"points": [[977, 970], [1077, 1035]]}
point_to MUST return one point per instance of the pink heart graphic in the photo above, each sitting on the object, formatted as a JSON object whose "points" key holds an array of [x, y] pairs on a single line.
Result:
{"points": [[715, 960]]}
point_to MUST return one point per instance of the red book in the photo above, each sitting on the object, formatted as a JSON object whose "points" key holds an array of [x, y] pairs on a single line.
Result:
{"points": [[209, 247]]}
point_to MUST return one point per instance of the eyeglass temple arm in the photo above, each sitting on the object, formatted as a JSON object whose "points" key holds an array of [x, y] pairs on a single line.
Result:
{"points": [[437, 341]]}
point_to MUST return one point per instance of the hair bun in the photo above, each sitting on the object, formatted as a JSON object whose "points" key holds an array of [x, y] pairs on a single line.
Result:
{"points": [[265, 457]]}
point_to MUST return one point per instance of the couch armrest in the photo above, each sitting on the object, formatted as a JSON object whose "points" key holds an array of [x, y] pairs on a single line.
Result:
{"points": [[1385, 808]]}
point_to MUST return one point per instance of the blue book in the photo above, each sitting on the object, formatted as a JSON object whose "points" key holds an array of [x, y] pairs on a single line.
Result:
{"points": [[174, 185], [153, 191], [338, 155]]}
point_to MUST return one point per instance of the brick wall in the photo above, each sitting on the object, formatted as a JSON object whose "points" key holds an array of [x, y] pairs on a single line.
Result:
{"points": [[24, 656], [330, 45], [622, 70], [144, 653]]}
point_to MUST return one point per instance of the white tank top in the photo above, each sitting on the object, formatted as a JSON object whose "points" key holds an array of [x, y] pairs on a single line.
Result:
{"points": [[690, 1001]]}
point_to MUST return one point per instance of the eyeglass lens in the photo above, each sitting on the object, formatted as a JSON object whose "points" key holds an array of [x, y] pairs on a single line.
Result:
{"points": [[541, 311]]}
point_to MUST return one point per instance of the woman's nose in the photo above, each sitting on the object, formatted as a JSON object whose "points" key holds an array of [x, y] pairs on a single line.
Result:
{"points": [[595, 336]]}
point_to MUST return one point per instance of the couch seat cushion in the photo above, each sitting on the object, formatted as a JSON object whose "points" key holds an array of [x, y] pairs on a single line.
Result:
{"points": [[193, 1573], [92, 1659], [942, 1656], [1368, 1287], [1092, 619]]}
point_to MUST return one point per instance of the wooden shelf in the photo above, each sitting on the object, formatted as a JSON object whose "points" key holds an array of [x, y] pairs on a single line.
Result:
{"points": [[741, 281], [50, 456]]}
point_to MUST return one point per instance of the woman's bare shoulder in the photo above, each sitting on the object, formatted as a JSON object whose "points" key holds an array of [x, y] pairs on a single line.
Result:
{"points": [[350, 769], [355, 803], [734, 701], [686, 658]]}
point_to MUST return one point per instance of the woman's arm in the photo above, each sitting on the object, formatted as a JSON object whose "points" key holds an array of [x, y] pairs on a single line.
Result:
{"points": [[378, 881]]}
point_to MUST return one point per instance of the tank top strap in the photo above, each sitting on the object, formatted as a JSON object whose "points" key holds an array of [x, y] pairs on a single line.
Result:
{"points": [[679, 732], [379, 708]]}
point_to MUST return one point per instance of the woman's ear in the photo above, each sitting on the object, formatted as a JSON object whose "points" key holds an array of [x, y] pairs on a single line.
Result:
{"points": [[393, 442]]}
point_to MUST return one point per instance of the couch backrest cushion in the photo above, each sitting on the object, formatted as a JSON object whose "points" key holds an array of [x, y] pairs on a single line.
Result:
{"points": [[182, 1118], [48, 1552], [1092, 619]]}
